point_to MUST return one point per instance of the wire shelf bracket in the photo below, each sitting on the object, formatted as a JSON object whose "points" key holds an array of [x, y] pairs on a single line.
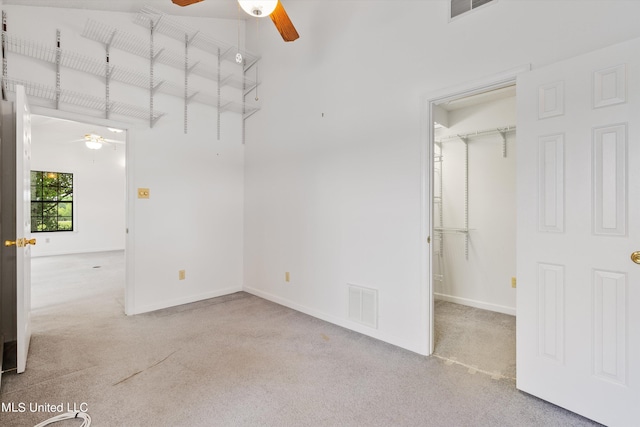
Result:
{"points": [[503, 132]]}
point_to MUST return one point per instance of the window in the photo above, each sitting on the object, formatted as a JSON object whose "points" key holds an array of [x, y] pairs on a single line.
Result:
{"points": [[51, 201], [458, 7]]}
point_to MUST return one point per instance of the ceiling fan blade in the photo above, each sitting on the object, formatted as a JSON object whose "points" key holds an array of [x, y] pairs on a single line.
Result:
{"points": [[185, 2], [283, 23]]}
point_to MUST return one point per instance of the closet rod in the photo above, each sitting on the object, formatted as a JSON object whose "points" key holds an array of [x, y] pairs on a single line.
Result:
{"points": [[477, 133]]}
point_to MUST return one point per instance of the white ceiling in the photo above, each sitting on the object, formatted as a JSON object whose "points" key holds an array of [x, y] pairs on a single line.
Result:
{"points": [[224, 9], [50, 130]]}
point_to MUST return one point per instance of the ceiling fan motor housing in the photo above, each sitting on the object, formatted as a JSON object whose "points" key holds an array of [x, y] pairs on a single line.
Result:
{"points": [[258, 8]]}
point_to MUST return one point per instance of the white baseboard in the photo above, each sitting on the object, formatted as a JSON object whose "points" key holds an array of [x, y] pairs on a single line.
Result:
{"points": [[477, 304], [185, 300], [345, 323], [76, 252]]}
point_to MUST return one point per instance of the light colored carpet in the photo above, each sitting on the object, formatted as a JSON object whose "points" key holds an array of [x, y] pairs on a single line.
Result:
{"points": [[235, 361], [477, 338]]}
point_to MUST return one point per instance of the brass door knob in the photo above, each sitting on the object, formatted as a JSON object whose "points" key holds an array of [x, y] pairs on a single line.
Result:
{"points": [[635, 257], [21, 243]]}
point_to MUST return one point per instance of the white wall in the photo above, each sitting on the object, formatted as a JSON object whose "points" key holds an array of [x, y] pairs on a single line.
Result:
{"points": [[336, 199], [484, 279], [193, 219], [99, 192], [332, 175]]}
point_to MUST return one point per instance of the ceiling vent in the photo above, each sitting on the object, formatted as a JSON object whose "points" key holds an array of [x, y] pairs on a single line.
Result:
{"points": [[458, 7]]}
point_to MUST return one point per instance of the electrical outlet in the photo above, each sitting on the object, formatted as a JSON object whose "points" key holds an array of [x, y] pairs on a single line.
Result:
{"points": [[513, 282], [182, 274]]}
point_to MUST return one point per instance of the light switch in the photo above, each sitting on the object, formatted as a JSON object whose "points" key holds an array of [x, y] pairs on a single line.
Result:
{"points": [[143, 193]]}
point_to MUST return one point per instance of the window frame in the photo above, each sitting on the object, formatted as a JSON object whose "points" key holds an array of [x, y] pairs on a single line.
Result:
{"points": [[55, 200]]}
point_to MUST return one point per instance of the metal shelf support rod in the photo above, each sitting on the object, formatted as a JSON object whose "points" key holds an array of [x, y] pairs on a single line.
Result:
{"points": [[58, 57], [466, 196], [152, 59], [218, 112], [4, 55], [107, 76], [186, 81]]}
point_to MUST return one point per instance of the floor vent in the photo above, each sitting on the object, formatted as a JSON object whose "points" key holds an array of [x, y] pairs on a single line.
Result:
{"points": [[363, 305]]}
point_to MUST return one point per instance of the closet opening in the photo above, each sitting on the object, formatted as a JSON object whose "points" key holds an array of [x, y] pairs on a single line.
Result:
{"points": [[474, 231]]}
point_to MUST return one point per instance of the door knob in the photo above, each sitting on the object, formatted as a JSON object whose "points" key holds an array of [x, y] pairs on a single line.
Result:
{"points": [[635, 257], [29, 242], [21, 243]]}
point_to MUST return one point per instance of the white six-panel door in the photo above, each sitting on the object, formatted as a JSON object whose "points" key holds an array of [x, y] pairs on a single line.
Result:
{"points": [[578, 298]]}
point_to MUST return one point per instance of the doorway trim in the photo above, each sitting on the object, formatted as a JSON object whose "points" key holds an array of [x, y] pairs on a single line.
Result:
{"points": [[463, 90], [129, 286]]}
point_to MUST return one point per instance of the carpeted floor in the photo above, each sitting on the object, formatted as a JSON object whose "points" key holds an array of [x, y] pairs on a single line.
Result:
{"points": [[234, 361], [481, 340]]}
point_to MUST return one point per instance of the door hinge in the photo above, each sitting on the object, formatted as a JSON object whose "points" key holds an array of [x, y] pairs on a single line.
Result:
{"points": [[429, 239]]}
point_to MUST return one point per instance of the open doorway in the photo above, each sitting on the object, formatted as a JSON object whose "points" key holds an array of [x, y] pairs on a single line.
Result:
{"points": [[474, 226], [61, 159], [89, 234]]}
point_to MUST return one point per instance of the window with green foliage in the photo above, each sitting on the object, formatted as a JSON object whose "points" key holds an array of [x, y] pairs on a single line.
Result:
{"points": [[51, 201]]}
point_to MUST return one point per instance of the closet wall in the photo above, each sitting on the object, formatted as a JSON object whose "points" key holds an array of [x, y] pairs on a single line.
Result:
{"points": [[477, 272]]}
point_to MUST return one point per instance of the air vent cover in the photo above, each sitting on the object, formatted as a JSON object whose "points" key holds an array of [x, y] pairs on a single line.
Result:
{"points": [[458, 7], [363, 305]]}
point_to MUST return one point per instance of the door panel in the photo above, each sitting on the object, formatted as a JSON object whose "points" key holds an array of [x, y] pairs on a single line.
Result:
{"points": [[23, 226], [578, 204]]}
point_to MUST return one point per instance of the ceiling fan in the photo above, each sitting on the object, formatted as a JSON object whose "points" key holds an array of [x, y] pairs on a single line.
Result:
{"points": [[260, 9], [95, 142]]}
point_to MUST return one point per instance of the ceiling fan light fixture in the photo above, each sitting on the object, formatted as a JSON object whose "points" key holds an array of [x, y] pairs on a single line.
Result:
{"points": [[258, 8], [93, 141], [93, 144]]}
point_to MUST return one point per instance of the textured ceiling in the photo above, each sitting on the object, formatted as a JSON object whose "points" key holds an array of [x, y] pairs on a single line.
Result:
{"points": [[225, 9]]}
